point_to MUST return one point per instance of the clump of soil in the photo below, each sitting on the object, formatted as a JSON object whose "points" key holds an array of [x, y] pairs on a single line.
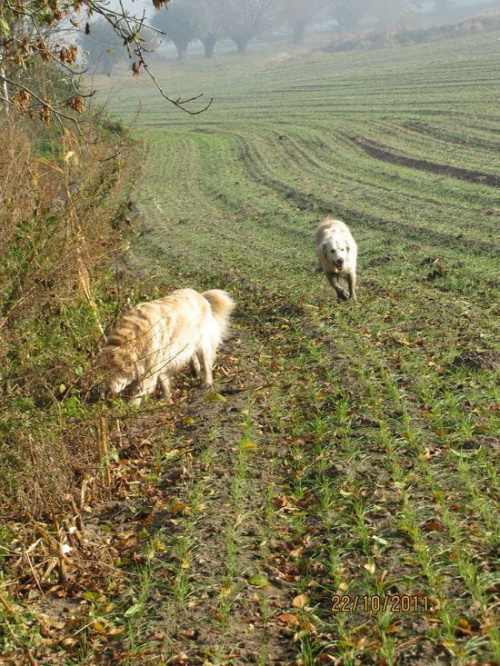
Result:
{"points": [[484, 359]]}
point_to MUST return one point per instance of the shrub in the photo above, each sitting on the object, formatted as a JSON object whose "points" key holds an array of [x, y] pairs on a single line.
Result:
{"points": [[60, 205]]}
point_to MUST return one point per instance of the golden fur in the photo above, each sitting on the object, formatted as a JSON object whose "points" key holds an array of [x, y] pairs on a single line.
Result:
{"points": [[337, 255], [155, 340]]}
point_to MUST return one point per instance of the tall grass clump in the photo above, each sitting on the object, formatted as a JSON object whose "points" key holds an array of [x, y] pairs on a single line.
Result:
{"points": [[61, 202]]}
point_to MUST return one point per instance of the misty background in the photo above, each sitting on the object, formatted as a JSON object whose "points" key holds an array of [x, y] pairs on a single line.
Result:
{"points": [[201, 28]]}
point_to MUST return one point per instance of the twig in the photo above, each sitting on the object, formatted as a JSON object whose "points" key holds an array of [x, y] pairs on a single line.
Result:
{"points": [[179, 103], [232, 391], [32, 568], [407, 643], [103, 449], [77, 514], [6, 605]]}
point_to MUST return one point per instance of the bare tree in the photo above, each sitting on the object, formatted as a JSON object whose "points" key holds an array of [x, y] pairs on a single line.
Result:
{"points": [[213, 29], [299, 14], [348, 12], [388, 13], [242, 20], [102, 48], [182, 22]]}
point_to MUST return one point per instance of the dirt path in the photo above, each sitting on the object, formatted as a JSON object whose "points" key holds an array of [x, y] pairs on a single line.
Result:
{"points": [[381, 153]]}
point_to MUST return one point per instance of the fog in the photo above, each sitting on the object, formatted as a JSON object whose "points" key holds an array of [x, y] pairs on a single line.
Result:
{"points": [[204, 27]]}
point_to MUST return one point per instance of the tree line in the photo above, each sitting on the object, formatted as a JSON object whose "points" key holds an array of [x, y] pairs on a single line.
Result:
{"points": [[209, 21]]}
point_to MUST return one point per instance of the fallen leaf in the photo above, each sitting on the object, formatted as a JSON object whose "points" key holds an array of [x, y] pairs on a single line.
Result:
{"points": [[214, 397], [370, 567], [290, 578], [288, 618], [179, 507], [432, 527], [225, 590], [463, 626], [381, 541], [190, 634], [116, 631], [249, 445], [136, 609], [259, 580], [297, 552], [300, 601], [98, 627]]}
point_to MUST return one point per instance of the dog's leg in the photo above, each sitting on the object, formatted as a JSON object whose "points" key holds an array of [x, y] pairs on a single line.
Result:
{"points": [[351, 281], [146, 386], [207, 358], [195, 365], [164, 380], [333, 279]]}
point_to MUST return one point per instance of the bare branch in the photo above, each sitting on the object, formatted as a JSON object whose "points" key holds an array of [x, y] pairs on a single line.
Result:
{"points": [[27, 35], [46, 104], [178, 103]]}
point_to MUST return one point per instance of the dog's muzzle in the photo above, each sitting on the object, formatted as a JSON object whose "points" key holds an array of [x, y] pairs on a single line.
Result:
{"points": [[340, 265]]}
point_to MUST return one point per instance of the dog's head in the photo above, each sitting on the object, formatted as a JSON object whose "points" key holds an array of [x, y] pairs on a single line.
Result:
{"points": [[118, 368], [336, 250]]}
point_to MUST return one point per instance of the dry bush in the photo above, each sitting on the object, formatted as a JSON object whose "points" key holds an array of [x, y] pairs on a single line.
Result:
{"points": [[60, 206]]}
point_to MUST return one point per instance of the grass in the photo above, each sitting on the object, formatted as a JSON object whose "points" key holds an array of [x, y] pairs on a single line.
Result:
{"points": [[351, 450]]}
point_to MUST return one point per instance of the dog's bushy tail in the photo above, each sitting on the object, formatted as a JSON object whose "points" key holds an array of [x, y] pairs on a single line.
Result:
{"points": [[221, 305]]}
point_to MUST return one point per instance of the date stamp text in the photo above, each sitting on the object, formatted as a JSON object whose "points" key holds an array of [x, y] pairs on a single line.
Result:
{"points": [[395, 603]]}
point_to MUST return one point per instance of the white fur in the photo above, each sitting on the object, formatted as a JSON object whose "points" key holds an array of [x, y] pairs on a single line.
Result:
{"points": [[337, 256]]}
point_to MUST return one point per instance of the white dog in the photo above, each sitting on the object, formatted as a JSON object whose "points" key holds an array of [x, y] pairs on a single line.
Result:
{"points": [[337, 255], [155, 340]]}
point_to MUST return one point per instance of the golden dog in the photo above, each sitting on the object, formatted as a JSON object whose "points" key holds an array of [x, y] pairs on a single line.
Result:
{"points": [[155, 340]]}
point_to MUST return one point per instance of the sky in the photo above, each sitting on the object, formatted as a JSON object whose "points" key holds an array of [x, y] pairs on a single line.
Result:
{"points": [[136, 7]]}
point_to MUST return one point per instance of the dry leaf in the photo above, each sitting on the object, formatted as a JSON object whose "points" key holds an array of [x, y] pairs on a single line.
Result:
{"points": [[432, 527], [300, 601], [288, 618], [249, 445]]}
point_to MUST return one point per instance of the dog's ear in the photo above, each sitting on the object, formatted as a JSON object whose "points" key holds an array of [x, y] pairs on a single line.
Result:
{"points": [[324, 250]]}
